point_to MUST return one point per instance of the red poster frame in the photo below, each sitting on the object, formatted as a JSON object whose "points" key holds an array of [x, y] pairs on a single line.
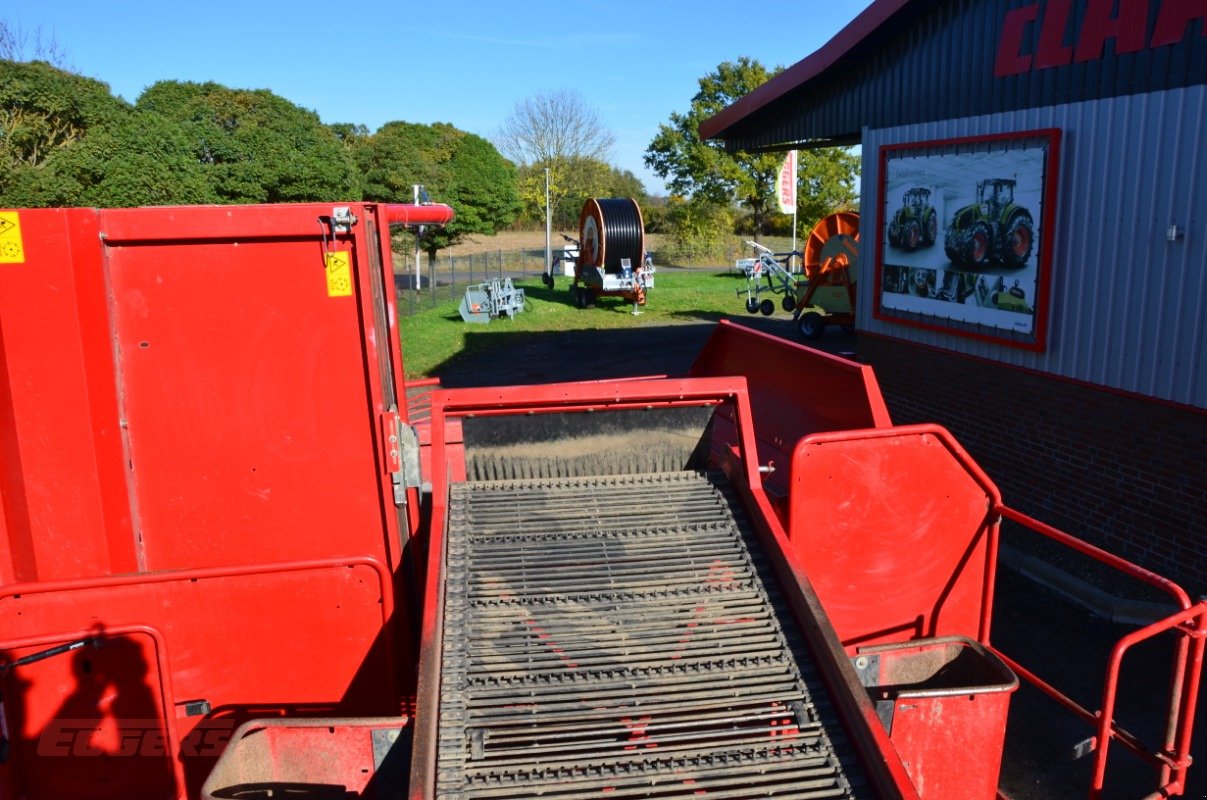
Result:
{"points": [[1050, 139]]}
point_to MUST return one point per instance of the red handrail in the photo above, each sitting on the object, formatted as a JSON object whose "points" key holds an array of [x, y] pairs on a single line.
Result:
{"points": [[1189, 623]]}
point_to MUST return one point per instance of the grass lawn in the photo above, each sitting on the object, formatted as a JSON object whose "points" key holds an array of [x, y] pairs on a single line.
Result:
{"points": [[431, 337]]}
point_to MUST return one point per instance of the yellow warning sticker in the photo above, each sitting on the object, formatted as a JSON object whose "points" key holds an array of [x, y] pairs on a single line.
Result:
{"points": [[339, 274], [12, 248]]}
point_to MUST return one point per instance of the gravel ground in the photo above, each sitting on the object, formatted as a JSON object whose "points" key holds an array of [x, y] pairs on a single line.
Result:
{"points": [[1064, 643]]}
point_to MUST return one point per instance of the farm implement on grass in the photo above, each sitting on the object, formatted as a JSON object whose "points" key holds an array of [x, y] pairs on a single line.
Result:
{"points": [[770, 272], [831, 265]]}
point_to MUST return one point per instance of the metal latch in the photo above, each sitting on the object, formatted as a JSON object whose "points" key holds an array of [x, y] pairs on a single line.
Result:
{"points": [[342, 219], [400, 443]]}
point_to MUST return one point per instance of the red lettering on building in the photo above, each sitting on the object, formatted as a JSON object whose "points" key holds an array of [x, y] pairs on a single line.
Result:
{"points": [[1010, 59], [1173, 19], [1053, 52], [1127, 29]]}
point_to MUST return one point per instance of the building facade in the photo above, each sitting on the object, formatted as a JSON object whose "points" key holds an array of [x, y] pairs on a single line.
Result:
{"points": [[1034, 244]]}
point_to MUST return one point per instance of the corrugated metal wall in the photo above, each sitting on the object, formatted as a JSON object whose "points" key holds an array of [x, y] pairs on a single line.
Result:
{"points": [[1128, 309], [936, 60]]}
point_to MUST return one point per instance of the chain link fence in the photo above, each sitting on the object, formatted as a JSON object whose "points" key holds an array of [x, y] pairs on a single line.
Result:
{"points": [[446, 277]]}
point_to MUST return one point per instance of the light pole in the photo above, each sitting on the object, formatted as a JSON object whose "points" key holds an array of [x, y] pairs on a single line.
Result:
{"points": [[548, 229]]}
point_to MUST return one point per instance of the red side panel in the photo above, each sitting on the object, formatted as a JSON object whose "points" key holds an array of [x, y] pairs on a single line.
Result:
{"points": [[894, 528], [250, 435], [62, 488], [112, 711]]}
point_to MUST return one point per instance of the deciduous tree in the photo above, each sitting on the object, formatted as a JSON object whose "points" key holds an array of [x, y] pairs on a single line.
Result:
{"points": [[704, 170], [458, 168], [561, 132], [256, 146]]}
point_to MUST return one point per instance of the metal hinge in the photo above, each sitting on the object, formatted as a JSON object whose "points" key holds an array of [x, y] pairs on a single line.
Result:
{"points": [[400, 443]]}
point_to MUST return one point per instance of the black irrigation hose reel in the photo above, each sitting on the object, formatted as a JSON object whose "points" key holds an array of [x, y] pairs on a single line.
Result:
{"points": [[611, 255]]}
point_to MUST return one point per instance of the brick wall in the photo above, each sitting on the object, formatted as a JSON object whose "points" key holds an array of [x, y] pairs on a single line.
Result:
{"points": [[1123, 473]]}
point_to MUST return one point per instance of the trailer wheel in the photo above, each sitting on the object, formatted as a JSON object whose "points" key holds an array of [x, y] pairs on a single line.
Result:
{"points": [[577, 296], [547, 279], [767, 307], [811, 325], [752, 305], [788, 303]]}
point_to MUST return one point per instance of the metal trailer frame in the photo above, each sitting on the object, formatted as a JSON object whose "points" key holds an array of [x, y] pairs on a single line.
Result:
{"points": [[884, 768]]}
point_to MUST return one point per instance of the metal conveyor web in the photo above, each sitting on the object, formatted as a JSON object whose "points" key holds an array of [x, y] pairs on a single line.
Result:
{"points": [[615, 637]]}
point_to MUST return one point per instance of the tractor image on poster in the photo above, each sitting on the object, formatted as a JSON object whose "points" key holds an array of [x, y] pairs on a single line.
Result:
{"points": [[916, 223], [994, 229]]}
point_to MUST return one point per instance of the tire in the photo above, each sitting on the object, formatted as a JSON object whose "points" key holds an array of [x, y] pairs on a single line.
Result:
{"points": [[788, 303], [930, 229], [894, 234], [811, 325], [547, 279], [911, 236], [979, 244], [1019, 239], [589, 298], [767, 307], [752, 305]]}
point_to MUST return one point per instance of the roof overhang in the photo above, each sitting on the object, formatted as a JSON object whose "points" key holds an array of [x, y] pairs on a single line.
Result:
{"points": [[807, 69]]}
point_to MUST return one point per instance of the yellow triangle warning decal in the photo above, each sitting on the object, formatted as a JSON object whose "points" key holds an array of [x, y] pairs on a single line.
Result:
{"points": [[12, 247]]}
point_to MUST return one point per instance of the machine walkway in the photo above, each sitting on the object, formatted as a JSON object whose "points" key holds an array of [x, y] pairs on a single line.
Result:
{"points": [[618, 635]]}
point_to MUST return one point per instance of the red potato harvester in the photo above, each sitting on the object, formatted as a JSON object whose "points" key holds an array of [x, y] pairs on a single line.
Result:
{"points": [[245, 557]]}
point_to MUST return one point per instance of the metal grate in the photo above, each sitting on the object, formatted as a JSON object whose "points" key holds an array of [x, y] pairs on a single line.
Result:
{"points": [[614, 635]]}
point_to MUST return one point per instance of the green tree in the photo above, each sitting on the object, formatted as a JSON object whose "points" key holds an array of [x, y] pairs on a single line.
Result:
{"points": [[572, 182], [44, 110], [141, 159], [255, 146], [698, 229], [458, 168], [561, 132], [704, 170], [828, 181]]}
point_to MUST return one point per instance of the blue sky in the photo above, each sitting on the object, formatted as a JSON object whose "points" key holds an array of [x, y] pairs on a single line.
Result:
{"points": [[465, 62]]}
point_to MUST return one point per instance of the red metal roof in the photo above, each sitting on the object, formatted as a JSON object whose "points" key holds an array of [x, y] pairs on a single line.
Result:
{"points": [[804, 70]]}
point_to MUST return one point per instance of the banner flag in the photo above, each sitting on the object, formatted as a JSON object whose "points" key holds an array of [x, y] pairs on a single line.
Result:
{"points": [[786, 185]]}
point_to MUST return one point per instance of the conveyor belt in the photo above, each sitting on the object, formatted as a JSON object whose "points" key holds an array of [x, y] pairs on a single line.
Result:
{"points": [[613, 637]]}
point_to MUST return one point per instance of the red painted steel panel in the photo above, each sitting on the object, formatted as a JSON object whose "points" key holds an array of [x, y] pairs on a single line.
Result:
{"points": [[65, 512], [866, 504], [227, 638], [244, 401], [794, 391]]}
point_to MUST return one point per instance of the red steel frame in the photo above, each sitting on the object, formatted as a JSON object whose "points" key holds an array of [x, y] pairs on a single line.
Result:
{"points": [[1190, 625], [883, 766]]}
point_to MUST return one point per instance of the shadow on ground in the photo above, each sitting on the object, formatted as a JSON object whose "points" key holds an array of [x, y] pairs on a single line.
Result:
{"points": [[492, 359]]}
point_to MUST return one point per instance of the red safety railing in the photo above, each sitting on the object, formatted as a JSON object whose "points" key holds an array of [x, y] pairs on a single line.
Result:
{"points": [[1189, 623]]}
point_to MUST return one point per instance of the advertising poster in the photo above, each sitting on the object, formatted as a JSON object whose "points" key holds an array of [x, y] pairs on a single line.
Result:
{"points": [[963, 245]]}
